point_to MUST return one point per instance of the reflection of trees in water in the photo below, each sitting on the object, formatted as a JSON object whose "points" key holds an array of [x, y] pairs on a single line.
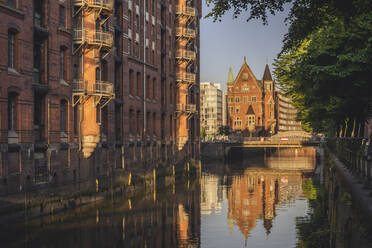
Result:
{"points": [[258, 193]]}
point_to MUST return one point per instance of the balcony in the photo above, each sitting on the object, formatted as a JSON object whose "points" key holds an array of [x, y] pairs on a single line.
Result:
{"points": [[186, 77], [183, 54], [186, 108], [106, 5], [185, 32], [99, 88], [185, 10], [98, 38]]}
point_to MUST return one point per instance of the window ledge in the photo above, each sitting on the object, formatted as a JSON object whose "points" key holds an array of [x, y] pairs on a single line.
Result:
{"points": [[63, 82], [12, 9], [12, 71], [63, 29]]}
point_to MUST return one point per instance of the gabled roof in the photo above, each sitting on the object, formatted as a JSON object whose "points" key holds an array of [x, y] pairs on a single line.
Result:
{"points": [[267, 74], [230, 77], [250, 110], [245, 67]]}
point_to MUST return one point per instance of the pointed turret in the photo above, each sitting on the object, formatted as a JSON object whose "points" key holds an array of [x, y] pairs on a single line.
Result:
{"points": [[267, 74], [230, 77]]}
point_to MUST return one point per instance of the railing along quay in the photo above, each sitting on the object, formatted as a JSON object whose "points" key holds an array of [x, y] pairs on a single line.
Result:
{"points": [[353, 152]]}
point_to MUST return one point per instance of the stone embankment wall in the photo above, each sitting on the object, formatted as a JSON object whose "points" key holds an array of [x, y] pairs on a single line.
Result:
{"points": [[349, 204], [212, 151], [45, 199]]}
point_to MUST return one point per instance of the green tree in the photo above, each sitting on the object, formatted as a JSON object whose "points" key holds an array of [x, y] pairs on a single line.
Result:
{"points": [[328, 77]]}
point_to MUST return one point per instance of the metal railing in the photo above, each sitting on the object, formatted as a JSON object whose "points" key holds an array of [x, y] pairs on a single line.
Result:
{"points": [[355, 154], [185, 54], [186, 77], [185, 10], [107, 4], [98, 88], [186, 32], [93, 37], [186, 108]]}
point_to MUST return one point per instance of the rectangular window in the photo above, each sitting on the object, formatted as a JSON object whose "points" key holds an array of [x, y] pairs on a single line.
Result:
{"points": [[245, 98], [62, 16], [237, 99], [129, 47], [11, 49], [129, 19], [237, 110], [153, 7], [62, 64], [137, 50], [153, 57], [253, 99], [12, 3], [137, 24], [153, 32]]}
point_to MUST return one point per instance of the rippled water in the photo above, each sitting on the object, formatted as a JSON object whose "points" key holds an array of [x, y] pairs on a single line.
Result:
{"points": [[253, 202]]}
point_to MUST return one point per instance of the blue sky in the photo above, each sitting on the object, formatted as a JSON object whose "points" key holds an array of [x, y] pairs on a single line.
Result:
{"points": [[227, 42]]}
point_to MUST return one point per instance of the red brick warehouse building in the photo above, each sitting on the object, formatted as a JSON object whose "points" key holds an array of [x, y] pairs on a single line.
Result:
{"points": [[137, 59], [251, 102]]}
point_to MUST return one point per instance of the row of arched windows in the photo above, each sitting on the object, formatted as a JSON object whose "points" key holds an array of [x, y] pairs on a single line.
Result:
{"points": [[136, 86]]}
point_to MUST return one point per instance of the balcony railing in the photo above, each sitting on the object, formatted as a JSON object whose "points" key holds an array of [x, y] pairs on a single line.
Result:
{"points": [[92, 37], [185, 10], [186, 77], [106, 4], [185, 32], [102, 88], [186, 108], [185, 54]]}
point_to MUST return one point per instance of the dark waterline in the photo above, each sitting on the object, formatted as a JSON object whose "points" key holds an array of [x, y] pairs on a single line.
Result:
{"points": [[253, 201]]}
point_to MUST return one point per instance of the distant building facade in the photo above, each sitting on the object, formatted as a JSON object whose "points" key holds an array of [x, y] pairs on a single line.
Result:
{"points": [[286, 115], [211, 107], [251, 102]]}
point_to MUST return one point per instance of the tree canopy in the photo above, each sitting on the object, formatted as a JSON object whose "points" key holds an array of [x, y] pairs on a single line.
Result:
{"points": [[325, 65]]}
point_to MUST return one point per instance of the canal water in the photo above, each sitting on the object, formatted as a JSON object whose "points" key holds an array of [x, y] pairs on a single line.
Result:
{"points": [[254, 200]]}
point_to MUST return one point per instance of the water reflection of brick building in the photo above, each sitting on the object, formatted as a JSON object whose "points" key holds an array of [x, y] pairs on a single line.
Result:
{"points": [[256, 195], [173, 220]]}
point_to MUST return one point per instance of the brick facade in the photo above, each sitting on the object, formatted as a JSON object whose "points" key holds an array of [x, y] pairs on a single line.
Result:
{"points": [[251, 103], [139, 128]]}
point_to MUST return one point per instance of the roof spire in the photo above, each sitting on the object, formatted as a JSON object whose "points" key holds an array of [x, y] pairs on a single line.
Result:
{"points": [[245, 60], [230, 77], [267, 74]]}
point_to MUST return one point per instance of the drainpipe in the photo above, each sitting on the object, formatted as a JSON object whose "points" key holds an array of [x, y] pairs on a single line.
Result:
{"points": [[144, 70]]}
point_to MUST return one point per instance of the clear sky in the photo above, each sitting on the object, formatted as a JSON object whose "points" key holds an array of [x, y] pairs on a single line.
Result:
{"points": [[227, 42]]}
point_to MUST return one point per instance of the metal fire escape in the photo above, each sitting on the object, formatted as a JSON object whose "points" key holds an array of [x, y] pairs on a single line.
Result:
{"points": [[185, 37], [92, 43]]}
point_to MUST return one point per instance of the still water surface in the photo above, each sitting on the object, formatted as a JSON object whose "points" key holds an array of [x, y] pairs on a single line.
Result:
{"points": [[251, 202]]}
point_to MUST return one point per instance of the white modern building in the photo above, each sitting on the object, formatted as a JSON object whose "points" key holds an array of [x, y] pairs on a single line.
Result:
{"points": [[211, 108]]}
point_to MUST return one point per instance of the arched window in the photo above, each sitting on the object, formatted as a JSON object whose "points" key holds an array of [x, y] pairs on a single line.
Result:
{"points": [[131, 121], [154, 89], [154, 124], [139, 123], [148, 88], [63, 116], [131, 82], [62, 63], [139, 84], [12, 49], [12, 111]]}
